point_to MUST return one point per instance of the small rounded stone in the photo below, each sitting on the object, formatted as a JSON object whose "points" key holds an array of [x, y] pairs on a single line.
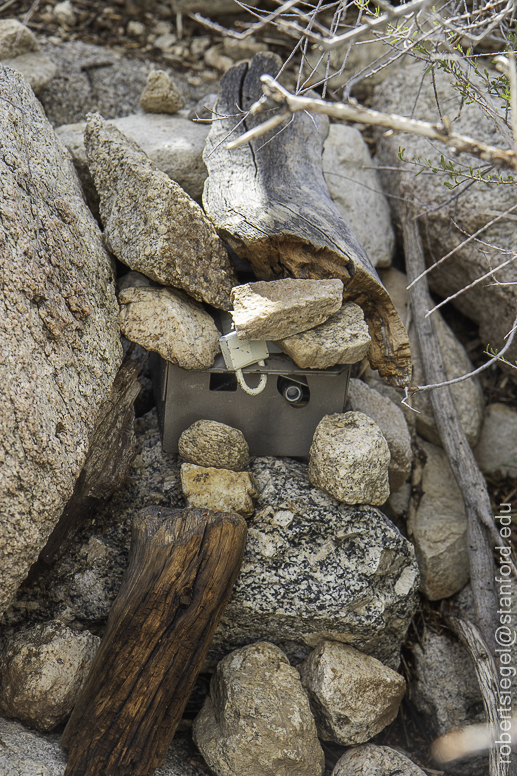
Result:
{"points": [[161, 95], [212, 444]]}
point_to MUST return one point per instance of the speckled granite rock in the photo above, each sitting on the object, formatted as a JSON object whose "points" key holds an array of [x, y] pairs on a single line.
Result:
{"points": [[220, 490], [161, 95], [439, 529], [20, 51], [353, 696], [317, 570], [257, 719], [150, 223], [42, 669], [341, 339], [209, 443], [372, 760], [349, 459], [280, 308], [497, 446], [172, 324], [390, 419], [24, 753], [59, 336]]}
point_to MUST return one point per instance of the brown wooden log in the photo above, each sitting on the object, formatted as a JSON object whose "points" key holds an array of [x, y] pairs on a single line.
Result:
{"points": [[270, 203], [111, 452], [182, 567]]}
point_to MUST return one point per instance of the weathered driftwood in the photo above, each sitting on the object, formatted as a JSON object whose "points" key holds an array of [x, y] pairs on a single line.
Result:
{"points": [[182, 567], [110, 454], [461, 458], [270, 203], [486, 674]]}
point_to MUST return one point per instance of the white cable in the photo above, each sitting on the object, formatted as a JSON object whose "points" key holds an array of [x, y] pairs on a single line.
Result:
{"points": [[245, 387]]}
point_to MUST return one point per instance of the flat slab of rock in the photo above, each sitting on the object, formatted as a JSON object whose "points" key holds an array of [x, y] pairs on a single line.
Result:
{"points": [[169, 322], [257, 719], [42, 670], [59, 333], [439, 529], [342, 339], [497, 446], [209, 443], [355, 188], [316, 570], [349, 459], [220, 490], [390, 419], [353, 696], [161, 95], [372, 760], [280, 308], [150, 223]]}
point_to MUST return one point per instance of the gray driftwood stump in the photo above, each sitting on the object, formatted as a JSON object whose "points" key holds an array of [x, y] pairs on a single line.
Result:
{"points": [[269, 201], [182, 567]]}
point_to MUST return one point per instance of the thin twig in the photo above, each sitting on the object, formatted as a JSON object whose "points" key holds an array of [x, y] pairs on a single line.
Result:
{"points": [[353, 112]]}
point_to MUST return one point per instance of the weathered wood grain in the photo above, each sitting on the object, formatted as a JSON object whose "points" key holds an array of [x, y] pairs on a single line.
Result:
{"points": [[182, 567], [270, 203]]}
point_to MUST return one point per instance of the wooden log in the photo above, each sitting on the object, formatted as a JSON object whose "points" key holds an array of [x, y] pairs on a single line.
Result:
{"points": [[270, 203], [182, 567], [111, 452]]}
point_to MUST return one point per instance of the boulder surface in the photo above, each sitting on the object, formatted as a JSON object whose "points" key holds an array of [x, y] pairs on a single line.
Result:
{"points": [[59, 336]]}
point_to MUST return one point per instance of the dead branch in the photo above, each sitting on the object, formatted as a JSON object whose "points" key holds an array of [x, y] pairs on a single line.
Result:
{"points": [[351, 111], [478, 509], [486, 673]]}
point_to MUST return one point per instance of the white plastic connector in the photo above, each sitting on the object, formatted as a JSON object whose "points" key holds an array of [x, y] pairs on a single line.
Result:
{"points": [[240, 353]]}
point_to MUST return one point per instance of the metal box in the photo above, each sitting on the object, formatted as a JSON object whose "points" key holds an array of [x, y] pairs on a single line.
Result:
{"points": [[280, 421]]}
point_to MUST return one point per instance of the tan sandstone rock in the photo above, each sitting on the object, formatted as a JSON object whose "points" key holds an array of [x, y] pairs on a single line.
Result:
{"points": [[167, 321], [212, 444], [221, 490], [342, 339], [280, 308], [353, 696], [349, 458], [150, 223], [257, 718], [161, 95]]}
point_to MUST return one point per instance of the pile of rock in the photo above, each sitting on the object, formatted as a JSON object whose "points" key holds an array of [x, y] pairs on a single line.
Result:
{"points": [[328, 583]]}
